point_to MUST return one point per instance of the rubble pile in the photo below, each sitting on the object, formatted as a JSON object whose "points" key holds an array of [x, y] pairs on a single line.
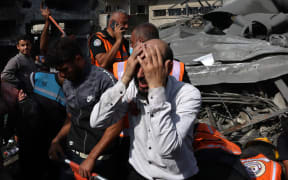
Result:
{"points": [[239, 61], [245, 113]]}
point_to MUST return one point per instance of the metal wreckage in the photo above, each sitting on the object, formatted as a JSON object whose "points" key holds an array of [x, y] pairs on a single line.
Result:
{"points": [[240, 64]]}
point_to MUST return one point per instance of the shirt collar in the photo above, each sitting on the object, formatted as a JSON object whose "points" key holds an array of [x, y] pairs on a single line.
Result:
{"points": [[169, 85]]}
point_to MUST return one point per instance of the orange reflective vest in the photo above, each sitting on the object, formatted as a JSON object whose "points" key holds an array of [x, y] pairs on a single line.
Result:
{"points": [[108, 47], [207, 137], [177, 71], [261, 168]]}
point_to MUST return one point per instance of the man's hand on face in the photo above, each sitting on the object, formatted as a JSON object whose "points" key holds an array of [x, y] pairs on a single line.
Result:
{"points": [[118, 32], [132, 64], [154, 70]]}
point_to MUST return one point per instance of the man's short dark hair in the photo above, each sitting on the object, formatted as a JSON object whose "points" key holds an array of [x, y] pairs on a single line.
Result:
{"points": [[168, 54], [146, 31], [63, 51], [23, 37]]}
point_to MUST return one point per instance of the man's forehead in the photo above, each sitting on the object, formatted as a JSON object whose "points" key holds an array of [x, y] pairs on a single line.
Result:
{"points": [[120, 17], [22, 42], [161, 45]]}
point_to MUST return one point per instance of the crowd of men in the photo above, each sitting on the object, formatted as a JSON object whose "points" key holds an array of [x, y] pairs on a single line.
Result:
{"points": [[125, 112]]}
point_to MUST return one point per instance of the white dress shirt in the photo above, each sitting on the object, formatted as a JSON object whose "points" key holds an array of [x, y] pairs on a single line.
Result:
{"points": [[160, 128]]}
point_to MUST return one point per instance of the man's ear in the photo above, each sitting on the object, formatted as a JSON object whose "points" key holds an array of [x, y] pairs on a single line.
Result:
{"points": [[169, 66], [139, 41]]}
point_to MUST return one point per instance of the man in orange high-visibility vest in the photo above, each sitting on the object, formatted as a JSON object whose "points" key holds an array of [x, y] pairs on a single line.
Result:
{"points": [[260, 157], [217, 157], [109, 45], [144, 32]]}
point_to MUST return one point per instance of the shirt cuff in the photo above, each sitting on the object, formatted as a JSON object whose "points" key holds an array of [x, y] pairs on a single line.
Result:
{"points": [[156, 96], [120, 88]]}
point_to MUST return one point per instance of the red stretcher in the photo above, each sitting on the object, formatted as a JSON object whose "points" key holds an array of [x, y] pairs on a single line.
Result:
{"points": [[75, 168]]}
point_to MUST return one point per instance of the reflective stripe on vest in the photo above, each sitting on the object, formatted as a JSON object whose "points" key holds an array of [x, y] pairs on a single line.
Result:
{"points": [[46, 85], [207, 137], [119, 69], [177, 71], [108, 47], [261, 168]]}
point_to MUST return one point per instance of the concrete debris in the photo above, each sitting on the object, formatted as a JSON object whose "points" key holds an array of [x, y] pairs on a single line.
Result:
{"points": [[243, 80]]}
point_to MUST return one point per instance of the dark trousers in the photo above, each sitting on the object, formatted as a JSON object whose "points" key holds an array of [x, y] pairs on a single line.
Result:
{"points": [[134, 175], [218, 164]]}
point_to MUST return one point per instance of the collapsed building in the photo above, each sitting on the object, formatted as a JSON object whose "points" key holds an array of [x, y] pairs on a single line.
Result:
{"points": [[239, 62]]}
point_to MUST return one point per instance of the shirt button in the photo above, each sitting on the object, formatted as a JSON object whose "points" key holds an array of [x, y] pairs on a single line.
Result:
{"points": [[111, 104], [149, 148], [152, 115], [149, 130], [151, 97], [149, 162], [121, 92]]}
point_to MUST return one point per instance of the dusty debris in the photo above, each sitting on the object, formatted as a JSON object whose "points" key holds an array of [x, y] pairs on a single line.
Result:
{"points": [[243, 80]]}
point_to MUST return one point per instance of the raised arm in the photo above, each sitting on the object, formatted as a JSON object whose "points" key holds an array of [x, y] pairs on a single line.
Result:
{"points": [[44, 36], [113, 103]]}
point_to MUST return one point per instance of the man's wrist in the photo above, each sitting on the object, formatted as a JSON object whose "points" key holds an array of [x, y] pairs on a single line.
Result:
{"points": [[92, 156], [119, 39], [155, 85], [125, 80]]}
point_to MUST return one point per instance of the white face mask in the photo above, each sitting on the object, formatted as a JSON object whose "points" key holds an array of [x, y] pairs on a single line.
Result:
{"points": [[130, 50]]}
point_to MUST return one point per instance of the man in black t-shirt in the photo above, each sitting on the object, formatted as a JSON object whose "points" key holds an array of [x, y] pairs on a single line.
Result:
{"points": [[109, 45]]}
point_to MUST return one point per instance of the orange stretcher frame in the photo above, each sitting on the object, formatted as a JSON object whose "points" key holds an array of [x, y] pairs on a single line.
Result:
{"points": [[57, 25], [53, 20], [75, 168]]}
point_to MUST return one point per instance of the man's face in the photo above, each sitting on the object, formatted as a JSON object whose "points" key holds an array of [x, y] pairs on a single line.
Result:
{"points": [[69, 71], [24, 47], [140, 81], [122, 19], [139, 76]]}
